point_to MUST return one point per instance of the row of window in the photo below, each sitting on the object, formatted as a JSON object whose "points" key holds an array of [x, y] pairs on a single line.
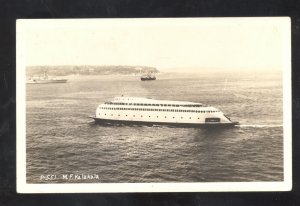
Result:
{"points": [[159, 110], [143, 116], [161, 105]]}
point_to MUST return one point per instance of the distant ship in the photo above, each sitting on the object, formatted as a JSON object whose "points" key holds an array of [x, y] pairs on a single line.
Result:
{"points": [[148, 77], [133, 110], [45, 80]]}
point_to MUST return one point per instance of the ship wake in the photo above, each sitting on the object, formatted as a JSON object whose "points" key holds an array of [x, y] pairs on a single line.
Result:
{"points": [[259, 126]]}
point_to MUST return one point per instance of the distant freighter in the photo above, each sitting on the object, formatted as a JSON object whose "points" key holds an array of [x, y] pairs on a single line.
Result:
{"points": [[148, 77], [133, 110], [45, 80]]}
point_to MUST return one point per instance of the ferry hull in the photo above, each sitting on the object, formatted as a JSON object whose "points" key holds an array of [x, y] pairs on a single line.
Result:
{"points": [[172, 124]]}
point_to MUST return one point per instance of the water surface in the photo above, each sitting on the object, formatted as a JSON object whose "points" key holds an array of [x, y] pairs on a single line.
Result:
{"points": [[62, 140]]}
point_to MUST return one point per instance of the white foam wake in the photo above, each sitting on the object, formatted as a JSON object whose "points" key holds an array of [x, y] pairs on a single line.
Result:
{"points": [[259, 126]]}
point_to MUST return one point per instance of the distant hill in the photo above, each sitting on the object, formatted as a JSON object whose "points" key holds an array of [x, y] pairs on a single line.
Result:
{"points": [[88, 70]]}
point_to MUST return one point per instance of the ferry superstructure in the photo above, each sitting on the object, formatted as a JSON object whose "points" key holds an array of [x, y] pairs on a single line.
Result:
{"points": [[134, 110]]}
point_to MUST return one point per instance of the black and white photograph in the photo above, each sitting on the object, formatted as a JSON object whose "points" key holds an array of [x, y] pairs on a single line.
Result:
{"points": [[154, 105]]}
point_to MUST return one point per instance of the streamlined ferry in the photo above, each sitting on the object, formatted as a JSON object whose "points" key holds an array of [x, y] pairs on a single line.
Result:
{"points": [[134, 110]]}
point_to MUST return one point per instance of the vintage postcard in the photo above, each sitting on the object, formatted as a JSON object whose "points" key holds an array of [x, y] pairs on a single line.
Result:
{"points": [[154, 105]]}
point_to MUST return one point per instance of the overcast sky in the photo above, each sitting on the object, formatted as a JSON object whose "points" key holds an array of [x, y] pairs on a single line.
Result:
{"points": [[168, 44]]}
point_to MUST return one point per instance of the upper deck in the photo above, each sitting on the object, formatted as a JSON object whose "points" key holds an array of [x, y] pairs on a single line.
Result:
{"points": [[137, 101]]}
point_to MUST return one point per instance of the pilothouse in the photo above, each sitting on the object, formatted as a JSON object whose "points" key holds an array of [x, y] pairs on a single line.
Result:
{"points": [[134, 110]]}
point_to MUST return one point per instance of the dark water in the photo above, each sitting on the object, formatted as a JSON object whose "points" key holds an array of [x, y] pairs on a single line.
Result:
{"points": [[62, 140]]}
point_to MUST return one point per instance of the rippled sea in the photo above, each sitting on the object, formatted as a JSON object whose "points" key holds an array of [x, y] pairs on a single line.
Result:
{"points": [[62, 140]]}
